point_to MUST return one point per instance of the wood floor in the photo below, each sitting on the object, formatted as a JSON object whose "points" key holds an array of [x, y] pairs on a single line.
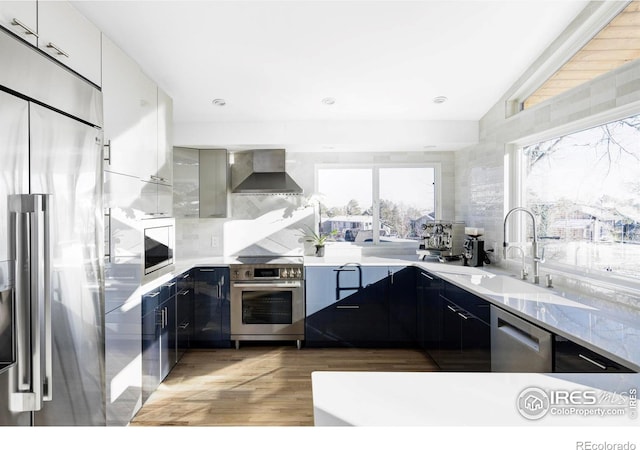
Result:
{"points": [[259, 385]]}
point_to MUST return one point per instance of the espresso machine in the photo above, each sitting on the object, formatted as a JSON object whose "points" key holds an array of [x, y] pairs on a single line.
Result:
{"points": [[442, 239], [474, 255]]}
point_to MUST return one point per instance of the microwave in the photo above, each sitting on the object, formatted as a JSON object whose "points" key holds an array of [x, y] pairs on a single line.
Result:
{"points": [[159, 238]]}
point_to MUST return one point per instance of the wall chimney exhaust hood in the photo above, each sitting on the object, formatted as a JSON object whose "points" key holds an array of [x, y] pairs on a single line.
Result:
{"points": [[267, 173]]}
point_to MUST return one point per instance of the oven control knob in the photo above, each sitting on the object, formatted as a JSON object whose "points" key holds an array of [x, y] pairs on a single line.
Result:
{"points": [[285, 273], [247, 274], [299, 273]]}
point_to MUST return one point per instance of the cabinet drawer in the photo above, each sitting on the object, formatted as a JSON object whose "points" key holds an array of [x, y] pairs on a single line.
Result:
{"points": [[468, 302], [155, 297], [570, 357]]}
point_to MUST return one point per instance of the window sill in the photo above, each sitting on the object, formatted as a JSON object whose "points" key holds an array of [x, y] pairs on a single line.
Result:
{"points": [[584, 283]]}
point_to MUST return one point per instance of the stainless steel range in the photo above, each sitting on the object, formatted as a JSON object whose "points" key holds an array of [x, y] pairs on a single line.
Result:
{"points": [[267, 299]]}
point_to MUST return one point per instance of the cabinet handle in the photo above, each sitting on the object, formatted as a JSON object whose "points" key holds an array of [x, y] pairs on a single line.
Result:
{"points": [[464, 316], [184, 325], [347, 307], [57, 49], [185, 292], [595, 363], [155, 294], [106, 155], [184, 277], [207, 270], [452, 308], [426, 276], [26, 29], [107, 220], [171, 284], [219, 291]]}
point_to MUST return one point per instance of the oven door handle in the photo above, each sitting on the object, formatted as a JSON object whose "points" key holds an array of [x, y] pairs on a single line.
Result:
{"points": [[291, 285]]}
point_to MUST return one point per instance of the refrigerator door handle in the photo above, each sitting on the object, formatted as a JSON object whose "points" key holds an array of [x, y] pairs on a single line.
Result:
{"points": [[30, 217], [45, 293]]}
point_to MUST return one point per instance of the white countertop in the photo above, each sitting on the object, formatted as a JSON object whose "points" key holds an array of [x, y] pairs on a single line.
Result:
{"points": [[471, 399]]}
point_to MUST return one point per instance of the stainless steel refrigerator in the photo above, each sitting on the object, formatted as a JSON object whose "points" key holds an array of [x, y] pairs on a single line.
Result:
{"points": [[51, 243]]}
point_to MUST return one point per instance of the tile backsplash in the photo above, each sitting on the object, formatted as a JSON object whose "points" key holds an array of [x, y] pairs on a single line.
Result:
{"points": [[274, 224]]}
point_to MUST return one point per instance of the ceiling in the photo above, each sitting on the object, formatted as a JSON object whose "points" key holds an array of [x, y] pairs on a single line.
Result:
{"points": [[379, 60]]}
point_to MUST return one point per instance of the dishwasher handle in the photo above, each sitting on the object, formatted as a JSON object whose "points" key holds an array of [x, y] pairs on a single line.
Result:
{"points": [[518, 345], [519, 335]]}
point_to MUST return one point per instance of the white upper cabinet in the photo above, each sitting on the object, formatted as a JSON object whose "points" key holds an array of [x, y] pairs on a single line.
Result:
{"points": [[21, 18], [165, 138], [147, 127], [65, 34], [121, 105], [129, 99], [138, 120]]}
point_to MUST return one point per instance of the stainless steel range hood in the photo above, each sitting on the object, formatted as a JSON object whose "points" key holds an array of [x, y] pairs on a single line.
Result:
{"points": [[267, 175]]}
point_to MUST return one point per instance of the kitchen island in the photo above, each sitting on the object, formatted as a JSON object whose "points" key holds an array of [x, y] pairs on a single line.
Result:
{"points": [[474, 399]]}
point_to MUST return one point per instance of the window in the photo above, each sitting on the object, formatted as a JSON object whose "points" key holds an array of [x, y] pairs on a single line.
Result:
{"points": [[376, 204], [584, 189]]}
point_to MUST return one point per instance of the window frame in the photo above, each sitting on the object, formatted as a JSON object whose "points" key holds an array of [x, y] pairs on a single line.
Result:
{"points": [[375, 168]]}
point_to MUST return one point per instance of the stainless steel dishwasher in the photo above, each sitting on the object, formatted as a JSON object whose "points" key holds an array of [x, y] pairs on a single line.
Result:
{"points": [[518, 345]]}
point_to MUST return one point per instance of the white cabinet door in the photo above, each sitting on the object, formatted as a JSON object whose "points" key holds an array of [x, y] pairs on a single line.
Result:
{"points": [[21, 18], [165, 138], [65, 34], [130, 116], [148, 127]]}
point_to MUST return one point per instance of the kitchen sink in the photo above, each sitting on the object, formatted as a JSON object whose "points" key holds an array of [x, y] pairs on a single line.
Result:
{"points": [[501, 284], [508, 286]]}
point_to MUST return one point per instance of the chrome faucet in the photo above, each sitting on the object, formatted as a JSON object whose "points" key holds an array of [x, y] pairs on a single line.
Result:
{"points": [[534, 244]]}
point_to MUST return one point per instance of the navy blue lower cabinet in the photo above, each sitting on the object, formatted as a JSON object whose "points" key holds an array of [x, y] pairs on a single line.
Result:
{"points": [[403, 323], [570, 357], [429, 310], [150, 354], [211, 307], [184, 313], [152, 330], [466, 343], [346, 306], [168, 354]]}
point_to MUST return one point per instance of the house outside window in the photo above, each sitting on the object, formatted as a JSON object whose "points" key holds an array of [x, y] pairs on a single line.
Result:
{"points": [[375, 203]]}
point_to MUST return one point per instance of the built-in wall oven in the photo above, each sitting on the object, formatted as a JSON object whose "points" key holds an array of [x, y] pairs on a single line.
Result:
{"points": [[267, 300]]}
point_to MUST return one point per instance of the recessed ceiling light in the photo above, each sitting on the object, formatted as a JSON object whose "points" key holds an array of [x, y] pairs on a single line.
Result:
{"points": [[328, 100], [439, 99], [219, 102]]}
